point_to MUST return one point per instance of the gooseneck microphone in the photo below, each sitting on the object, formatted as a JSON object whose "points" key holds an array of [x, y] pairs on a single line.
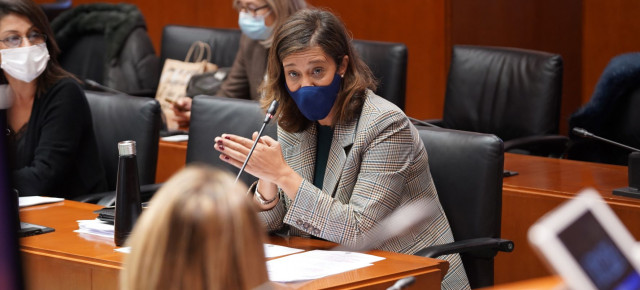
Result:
{"points": [[586, 134], [633, 169], [270, 112]]}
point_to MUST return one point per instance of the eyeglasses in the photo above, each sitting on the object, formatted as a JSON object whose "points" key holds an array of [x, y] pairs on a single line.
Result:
{"points": [[253, 11], [13, 41]]}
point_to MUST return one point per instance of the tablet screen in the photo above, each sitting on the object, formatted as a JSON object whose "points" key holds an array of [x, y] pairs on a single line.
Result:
{"points": [[598, 255]]}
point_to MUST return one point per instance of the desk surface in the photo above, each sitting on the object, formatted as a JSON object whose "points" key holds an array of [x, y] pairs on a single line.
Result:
{"points": [[542, 185], [67, 260]]}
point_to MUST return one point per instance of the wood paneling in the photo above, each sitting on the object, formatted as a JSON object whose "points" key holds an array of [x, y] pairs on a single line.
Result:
{"points": [[610, 28], [420, 24], [587, 33], [546, 25]]}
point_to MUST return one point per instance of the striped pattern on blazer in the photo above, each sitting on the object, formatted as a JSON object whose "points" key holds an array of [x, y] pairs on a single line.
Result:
{"points": [[376, 164]]}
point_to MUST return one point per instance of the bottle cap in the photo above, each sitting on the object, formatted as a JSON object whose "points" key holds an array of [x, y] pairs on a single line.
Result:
{"points": [[126, 148]]}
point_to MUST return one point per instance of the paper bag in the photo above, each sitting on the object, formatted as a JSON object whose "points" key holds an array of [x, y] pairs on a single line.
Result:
{"points": [[176, 75]]}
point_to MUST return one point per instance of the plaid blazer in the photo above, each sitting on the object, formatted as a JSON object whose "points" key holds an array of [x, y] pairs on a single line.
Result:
{"points": [[376, 164]]}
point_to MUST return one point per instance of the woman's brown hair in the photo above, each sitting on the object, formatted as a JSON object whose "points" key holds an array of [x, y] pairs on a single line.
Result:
{"points": [[303, 30], [201, 231], [27, 8]]}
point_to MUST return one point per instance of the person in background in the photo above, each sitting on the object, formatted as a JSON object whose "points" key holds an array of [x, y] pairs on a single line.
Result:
{"points": [[52, 147], [200, 231], [257, 20], [345, 158]]}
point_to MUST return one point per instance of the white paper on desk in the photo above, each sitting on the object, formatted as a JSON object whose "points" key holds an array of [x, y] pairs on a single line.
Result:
{"points": [[317, 264], [271, 251], [126, 250], [175, 138], [95, 227], [25, 201]]}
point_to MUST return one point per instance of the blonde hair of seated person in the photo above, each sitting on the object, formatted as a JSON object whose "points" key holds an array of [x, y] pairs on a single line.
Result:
{"points": [[200, 231]]}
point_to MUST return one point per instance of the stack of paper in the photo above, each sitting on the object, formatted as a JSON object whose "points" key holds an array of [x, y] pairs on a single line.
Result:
{"points": [[271, 251], [317, 264], [95, 227], [24, 201]]}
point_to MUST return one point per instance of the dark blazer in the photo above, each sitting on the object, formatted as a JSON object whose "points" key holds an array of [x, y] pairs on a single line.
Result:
{"points": [[247, 71], [58, 154], [376, 164]]}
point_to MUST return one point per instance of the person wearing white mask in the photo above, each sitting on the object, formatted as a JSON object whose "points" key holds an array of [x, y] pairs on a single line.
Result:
{"points": [[257, 20], [46, 117]]}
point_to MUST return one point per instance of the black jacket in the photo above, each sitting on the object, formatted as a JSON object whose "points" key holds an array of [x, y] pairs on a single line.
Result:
{"points": [[110, 38], [58, 154]]}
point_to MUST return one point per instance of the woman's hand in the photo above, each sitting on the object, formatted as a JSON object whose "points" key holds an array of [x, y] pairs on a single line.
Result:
{"points": [[182, 111], [265, 163]]}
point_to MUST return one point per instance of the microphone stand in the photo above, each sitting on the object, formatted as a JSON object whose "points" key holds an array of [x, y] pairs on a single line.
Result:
{"points": [[270, 112], [633, 190]]}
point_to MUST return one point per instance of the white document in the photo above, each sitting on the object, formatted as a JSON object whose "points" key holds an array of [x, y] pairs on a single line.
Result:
{"points": [[317, 264], [126, 250], [25, 201], [175, 138], [95, 227], [271, 251]]}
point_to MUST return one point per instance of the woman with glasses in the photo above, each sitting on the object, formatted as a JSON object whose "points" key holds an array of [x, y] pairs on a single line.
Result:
{"points": [[257, 20], [46, 117]]}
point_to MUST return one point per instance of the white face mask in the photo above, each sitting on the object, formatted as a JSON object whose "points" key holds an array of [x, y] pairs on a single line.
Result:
{"points": [[25, 63]]}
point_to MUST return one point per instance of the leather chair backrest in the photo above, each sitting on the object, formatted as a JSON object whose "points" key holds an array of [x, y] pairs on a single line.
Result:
{"points": [[109, 44], [176, 40], [508, 92], [120, 117], [466, 168], [388, 62], [213, 116]]}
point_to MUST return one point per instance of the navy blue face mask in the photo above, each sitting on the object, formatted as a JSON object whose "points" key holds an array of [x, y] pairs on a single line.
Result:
{"points": [[315, 103]]}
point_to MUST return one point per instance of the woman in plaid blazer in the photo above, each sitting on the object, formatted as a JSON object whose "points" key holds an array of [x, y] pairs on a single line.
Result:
{"points": [[345, 158]]}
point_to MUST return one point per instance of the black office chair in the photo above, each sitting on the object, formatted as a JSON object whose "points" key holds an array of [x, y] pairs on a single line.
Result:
{"points": [[611, 113], [118, 118], [109, 44], [467, 171], [388, 62], [512, 93], [176, 40], [213, 116]]}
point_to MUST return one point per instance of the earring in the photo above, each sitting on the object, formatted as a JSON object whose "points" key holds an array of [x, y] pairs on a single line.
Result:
{"points": [[342, 75]]}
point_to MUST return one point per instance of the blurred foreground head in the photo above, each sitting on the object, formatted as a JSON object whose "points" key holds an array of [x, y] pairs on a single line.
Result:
{"points": [[201, 231]]}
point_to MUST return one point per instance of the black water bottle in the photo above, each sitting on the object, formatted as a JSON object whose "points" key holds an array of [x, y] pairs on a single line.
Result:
{"points": [[128, 206]]}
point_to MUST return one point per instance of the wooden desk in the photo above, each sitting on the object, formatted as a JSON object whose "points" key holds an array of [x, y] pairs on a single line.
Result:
{"points": [[542, 185], [68, 260], [544, 283], [171, 158]]}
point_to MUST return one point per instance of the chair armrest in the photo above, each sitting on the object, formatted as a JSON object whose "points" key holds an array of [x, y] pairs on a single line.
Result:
{"points": [[108, 198], [547, 145], [482, 247], [437, 122]]}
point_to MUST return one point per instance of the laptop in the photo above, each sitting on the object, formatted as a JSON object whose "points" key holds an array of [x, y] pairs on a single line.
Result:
{"points": [[587, 245]]}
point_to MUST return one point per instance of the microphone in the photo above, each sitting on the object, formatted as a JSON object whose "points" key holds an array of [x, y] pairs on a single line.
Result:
{"points": [[586, 134], [270, 112], [95, 84], [423, 123], [403, 283], [633, 169]]}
